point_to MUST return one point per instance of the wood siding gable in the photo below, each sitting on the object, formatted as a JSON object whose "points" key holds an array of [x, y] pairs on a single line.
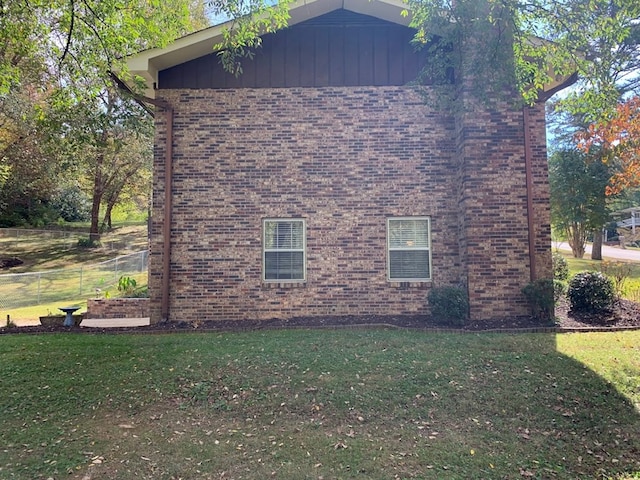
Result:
{"points": [[340, 48]]}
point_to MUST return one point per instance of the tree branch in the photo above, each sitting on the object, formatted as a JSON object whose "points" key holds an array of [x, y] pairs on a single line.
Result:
{"points": [[69, 33]]}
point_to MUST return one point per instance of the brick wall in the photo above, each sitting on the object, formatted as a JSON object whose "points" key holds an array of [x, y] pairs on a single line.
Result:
{"points": [[117, 308], [541, 195], [345, 159], [493, 206]]}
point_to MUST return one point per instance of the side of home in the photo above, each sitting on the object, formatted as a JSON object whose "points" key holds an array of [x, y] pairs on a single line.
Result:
{"points": [[320, 182]]}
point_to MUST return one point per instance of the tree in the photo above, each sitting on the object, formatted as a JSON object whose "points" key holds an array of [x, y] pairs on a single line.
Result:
{"points": [[80, 37], [578, 200], [65, 49], [28, 163], [108, 140], [550, 38], [129, 172], [618, 138]]}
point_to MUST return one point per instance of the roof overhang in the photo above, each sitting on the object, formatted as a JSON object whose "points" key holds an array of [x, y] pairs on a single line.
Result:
{"points": [[149, 63]]}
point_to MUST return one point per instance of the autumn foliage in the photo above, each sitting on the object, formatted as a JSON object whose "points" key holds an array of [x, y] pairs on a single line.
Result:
{"points": [[618, 139]]}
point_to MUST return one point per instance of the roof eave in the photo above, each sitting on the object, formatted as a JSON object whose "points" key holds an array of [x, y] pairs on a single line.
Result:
{"points": [[149, 63]]}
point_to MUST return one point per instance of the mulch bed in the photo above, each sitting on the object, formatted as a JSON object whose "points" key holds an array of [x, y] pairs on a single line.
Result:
{"points": [[626, 314]]}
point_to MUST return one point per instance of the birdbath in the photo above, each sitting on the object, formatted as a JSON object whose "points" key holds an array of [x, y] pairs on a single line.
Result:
{"points": [[68, 320]]}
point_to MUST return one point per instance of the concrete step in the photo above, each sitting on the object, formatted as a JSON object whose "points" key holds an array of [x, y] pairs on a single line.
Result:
{"points": [[114, 322]]}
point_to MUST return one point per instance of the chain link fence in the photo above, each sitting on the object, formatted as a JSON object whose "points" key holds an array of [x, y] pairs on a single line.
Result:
{"points": [[35, 288]]}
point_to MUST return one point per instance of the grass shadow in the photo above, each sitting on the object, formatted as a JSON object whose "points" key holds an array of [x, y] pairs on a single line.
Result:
{"points": [[373, 404]]}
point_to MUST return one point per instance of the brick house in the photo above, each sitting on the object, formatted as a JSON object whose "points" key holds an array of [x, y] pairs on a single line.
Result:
{"points": [[319, 182]]}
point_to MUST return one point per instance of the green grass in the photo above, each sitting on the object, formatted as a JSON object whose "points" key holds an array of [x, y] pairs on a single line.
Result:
{"points": [[70, 274], [33, 312], [38, 252], [375, 404], [630, 287]]}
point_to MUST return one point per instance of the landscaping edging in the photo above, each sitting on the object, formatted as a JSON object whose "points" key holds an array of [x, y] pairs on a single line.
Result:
{"points": [[151, 330]]}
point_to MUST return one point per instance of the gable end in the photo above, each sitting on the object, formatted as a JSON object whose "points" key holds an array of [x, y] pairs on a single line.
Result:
{"points": [[340, 48]]}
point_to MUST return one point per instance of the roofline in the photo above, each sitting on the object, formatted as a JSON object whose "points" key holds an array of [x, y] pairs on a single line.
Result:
{"points": [[148, 63]]}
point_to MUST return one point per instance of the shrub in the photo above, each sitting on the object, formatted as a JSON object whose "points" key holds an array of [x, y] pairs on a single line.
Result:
{"points": [[560, 267], [127, 286], [618, 272], [591, 292], [542, 295], [72, 204], [449, 305], [140, 292], [88, 242]]}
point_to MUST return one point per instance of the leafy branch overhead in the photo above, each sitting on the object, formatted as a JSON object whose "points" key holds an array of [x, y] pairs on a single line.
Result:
{"points": [[78, 41], [618, 137], [61, 119], [249, 20], [600, 39]]}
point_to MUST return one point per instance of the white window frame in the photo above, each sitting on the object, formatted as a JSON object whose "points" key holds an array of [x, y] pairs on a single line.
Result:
{"points": [[265, 250], [409, 248]]}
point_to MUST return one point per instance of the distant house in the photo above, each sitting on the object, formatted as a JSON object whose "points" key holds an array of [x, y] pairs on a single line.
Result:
{"points": [[319, 182]]}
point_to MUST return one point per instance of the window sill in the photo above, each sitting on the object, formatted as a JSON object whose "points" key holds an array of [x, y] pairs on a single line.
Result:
{"points": [[424, 284], [283, 285]]}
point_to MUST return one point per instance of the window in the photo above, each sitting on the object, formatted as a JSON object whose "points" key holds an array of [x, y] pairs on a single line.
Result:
{"points": [[409, 244], [284, 245]]}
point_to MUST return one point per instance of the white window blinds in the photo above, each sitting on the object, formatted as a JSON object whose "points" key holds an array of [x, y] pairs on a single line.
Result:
{"points": [[409, 249], [284, 250]]}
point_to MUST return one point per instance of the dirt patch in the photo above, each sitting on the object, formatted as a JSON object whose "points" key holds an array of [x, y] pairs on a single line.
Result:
{"points": [[10, 262]]}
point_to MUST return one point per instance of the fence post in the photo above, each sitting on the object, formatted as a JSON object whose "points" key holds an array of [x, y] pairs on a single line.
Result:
{"points": [[39, 274], [80, 281]]}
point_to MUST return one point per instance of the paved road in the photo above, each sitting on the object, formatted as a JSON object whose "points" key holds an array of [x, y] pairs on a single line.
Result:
{"points": [[616, 253]]}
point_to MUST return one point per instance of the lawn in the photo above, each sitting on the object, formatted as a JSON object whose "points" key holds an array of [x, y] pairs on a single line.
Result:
{"points": [[294, 404], [68, 274], [628, 272], [40, 252]]}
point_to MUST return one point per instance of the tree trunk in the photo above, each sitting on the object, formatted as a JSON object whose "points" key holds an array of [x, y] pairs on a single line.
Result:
{"points": [[596, 249], [96, 200], [576, 240], [114, 190], [106, 221]]}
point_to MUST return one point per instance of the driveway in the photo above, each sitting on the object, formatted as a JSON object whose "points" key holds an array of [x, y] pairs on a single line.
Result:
{"points": [[615, 253]]}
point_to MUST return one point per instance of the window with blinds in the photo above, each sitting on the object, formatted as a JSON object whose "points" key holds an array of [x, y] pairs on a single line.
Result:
{"points": [[409, 249], [284, 246]]}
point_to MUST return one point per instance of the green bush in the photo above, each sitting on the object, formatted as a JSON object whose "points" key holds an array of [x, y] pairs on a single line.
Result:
{"points": [[127, 286], [449, 305], [591, 292], [560, 267], [88, 242], [542, 295], [72, 204], [618, 272], [140, 292]]}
